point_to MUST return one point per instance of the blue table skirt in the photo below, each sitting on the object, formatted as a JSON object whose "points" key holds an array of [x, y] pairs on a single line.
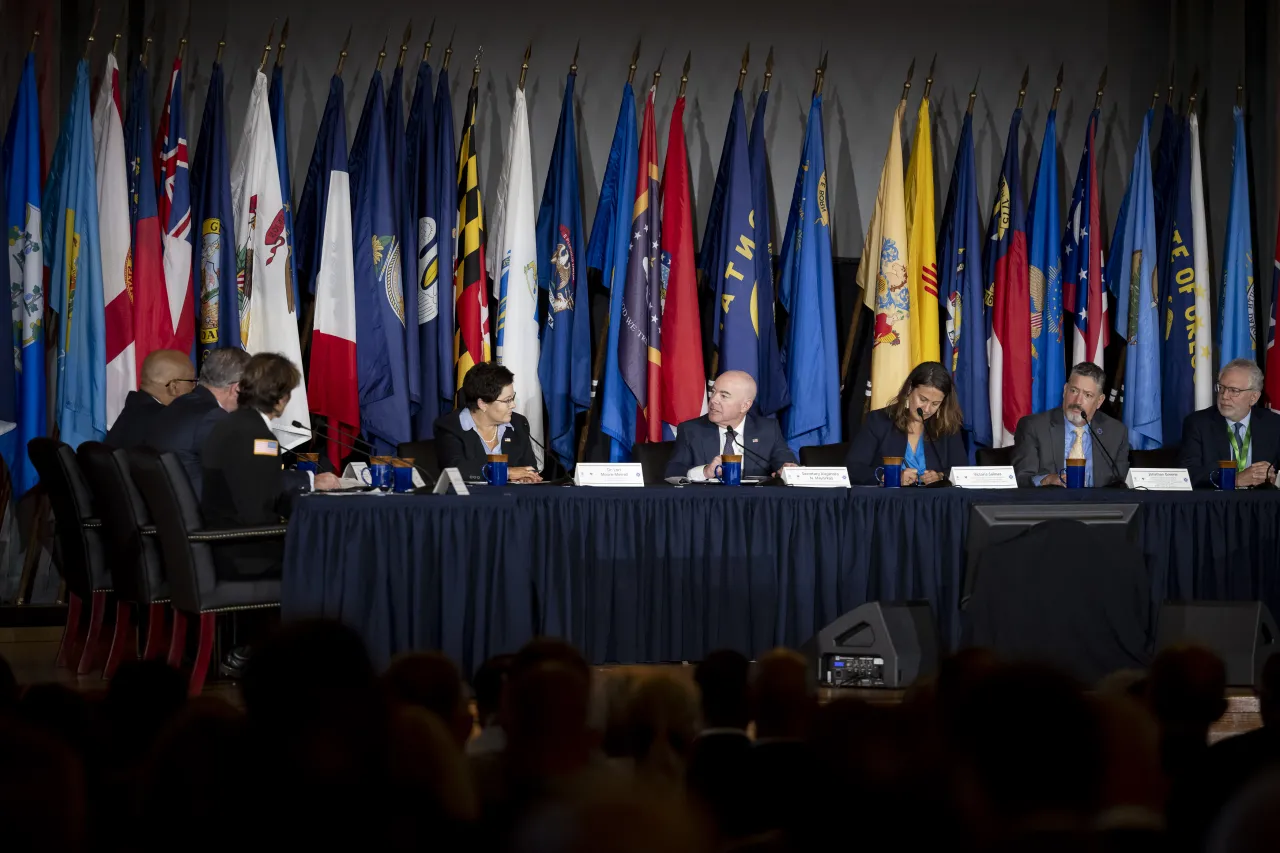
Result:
{"points": [[663, 574]]}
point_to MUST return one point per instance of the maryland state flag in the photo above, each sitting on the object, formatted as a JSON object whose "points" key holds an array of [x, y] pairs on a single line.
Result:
{"points": [[470, 299], [922, 250], [884, 281]]}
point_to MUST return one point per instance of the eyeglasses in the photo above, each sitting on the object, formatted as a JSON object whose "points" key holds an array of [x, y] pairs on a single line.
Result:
{"points": [[506, 401], [172, 381], [1228, 391]]}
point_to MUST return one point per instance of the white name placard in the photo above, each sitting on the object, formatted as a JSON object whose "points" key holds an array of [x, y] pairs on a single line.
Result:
{"points": [[451, 478], [984, 477], [1159, 479], [608, 474], [817, 477]]}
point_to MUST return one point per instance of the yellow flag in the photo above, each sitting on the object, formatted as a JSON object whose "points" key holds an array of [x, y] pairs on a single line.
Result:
{"points": [[921, 247], [882, 274]]}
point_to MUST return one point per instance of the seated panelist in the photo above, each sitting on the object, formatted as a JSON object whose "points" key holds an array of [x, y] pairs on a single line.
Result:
{"points": [[1233, 429], [166, 375], [1076, 430], [728, 427], [922, 425], [487, 424]]}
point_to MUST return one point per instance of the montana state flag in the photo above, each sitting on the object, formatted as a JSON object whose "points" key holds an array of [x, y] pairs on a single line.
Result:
{"points": [[470, 299]]}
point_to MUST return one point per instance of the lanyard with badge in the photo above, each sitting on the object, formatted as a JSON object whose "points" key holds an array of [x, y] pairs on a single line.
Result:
{"points": [[1240, 451]]}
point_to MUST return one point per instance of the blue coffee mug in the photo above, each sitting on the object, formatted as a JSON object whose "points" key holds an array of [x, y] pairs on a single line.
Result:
{"points": [[729, 471], [495, 470], [377, 475], [309, 462], [1225, 477], [1075, 474], [890, 475], [403, 478]]}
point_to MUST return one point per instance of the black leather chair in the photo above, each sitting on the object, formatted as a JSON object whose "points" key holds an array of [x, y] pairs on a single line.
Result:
{"points": [[990, 457], [653, 458], [136, 568], [423, 454], [187, 549], [1164, 457], [80, 551], [825, 455]]}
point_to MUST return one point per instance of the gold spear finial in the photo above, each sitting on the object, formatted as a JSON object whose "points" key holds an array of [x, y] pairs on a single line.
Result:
{"points": [[1172, 70], [88, 45], [1195, 90], [35, 37], [819, 75], [657, 72], [768, 69], [426, 48], [475, 71], [973, 93], [448, 51], [742, 71], [573, 66], [404, 43], [1240, 91], [342, 54], [928, 81], [151, 36], [284, 42], [186, 36], [911, 72], [635, 58], [524, 65], [120, 28], [1102, 87], [382, 54], [1057, 89], [266, 48], [684, 75], [1022, 90]]}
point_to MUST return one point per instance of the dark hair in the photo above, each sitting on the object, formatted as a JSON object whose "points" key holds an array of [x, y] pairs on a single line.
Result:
{"points": [[1089, 370], [484, 382], [488, 682], [267, 379], [724, 684], [223, 368], [928, 374]]}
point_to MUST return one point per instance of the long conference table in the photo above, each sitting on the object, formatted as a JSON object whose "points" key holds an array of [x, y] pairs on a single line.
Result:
{"points": [[668, 574]]}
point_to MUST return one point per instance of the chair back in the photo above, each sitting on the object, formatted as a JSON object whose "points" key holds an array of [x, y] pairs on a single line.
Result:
{"points": [[77, 531], [175, 512], [991, 457], [423, 454], [1164, 457], [825, 455], [136, 566], [653, 458]]}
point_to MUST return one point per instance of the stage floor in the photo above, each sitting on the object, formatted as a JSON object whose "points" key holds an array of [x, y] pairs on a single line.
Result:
{"points": [[31, 653]]}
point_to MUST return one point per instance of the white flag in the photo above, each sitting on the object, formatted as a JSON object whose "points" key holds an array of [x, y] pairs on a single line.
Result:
{"points": [[263, 256], [113, 232], [516, 285], [1204, 375]]}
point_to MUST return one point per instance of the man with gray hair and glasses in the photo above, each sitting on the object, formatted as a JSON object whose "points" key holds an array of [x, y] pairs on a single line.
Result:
{"points": [[186, 422], [1236, 428]]}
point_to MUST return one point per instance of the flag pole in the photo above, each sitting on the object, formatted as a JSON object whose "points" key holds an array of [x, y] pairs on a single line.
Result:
{"points": [[906, 87], [1240, 92], [222, 42], [684, 76], [973, 93], [475, 70], [657, 74], [266, 48], [88, 46], [186, 36], [1057, 89], [124, 22], [382, 54], [602, 342], [284, 38], [1102, 87], [573, 66], [448, 54], [524, 66], [742, 72], [342, 54], [1195, 89], [768, 70], [426, 48], [1022, 90], [404, 43], [928, 81]]}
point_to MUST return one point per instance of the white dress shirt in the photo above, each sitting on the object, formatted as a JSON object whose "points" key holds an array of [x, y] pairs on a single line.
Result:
{"points": [[739, 437]]}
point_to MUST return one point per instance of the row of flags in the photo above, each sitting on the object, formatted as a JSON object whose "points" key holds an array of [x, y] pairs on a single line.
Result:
{"points": [[383, 227]]}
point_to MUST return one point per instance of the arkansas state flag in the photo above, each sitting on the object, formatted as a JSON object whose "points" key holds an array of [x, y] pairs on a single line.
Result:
{"points": [[113, 232], [324, 242], [175, 215]]}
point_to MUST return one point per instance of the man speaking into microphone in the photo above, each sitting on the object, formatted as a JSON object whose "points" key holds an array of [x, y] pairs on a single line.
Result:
{"points": [[728, 427], [1077, 430]]}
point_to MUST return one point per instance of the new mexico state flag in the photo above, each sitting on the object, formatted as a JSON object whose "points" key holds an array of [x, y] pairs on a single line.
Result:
{"points": [[921, 247]]}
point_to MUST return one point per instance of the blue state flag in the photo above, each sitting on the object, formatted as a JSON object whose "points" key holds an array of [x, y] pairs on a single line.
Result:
{"points": [[275, 101], [1164, 187], [1137, 314], [1236, 305], [384, 392], [772, 395], [964, 347], [1178, 291], [1048, 354], [608, 251], [729, 262], [406, 233], [564, 367], [8, 365], [25, 264], [75, 261], [807, 288], [424, 264], [218, 323], [444, 187]]}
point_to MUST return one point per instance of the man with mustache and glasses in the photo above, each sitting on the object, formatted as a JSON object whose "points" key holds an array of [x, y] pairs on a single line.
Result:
{"points": [[1077, 430]]}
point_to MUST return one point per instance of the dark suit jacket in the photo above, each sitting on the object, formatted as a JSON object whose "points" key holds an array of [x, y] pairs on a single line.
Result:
{"points": [[462, 448], [1039, 449], [698, 442], [133, 424], [879, 438], [1205, 442], [182, 427], [244, 486]]}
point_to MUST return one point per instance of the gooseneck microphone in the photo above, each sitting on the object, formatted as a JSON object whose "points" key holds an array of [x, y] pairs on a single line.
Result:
{"points": [[768, 464], [1111, 460], [336, 438]]}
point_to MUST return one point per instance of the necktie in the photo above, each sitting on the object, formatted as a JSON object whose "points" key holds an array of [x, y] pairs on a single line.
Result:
{"points": [[1077, 445], [1242, 455], [729, 446]]}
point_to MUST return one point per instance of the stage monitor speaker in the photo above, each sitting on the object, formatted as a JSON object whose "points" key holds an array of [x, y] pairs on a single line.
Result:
{"points": [[1243, 633], [876, 645]]}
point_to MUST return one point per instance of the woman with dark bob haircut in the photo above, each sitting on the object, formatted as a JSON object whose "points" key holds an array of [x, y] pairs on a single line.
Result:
{"points": [[486, 424], [922, 425]]}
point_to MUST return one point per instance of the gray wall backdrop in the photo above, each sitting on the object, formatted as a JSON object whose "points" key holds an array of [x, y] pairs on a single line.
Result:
{"points": [[870, 45]]}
